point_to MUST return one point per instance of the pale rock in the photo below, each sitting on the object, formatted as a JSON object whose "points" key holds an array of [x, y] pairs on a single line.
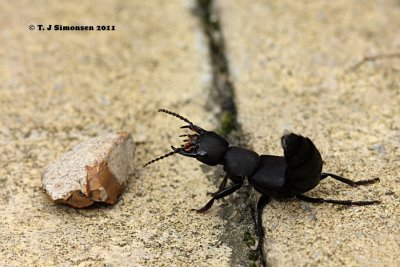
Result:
{"points": [[96, 170]]}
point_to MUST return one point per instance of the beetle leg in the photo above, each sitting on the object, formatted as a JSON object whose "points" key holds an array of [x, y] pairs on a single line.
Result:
{"points": [[220, 194], [340, 202], [223, 183], [262, 202], [348, 181], [221, 186]]}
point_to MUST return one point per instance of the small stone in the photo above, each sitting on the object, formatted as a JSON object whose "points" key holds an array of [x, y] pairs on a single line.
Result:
{"points": [[379, 148], [96, 170]]}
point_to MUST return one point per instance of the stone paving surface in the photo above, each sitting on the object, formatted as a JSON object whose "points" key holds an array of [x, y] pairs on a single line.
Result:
{"points": [[290, 62], [58, 89]]}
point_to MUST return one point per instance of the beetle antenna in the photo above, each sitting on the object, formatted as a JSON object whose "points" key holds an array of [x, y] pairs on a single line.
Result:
{"points": [[159, 158], [175, 115]]}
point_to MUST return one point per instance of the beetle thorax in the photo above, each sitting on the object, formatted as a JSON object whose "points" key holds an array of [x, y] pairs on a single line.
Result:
{"points": [[240, 161]]}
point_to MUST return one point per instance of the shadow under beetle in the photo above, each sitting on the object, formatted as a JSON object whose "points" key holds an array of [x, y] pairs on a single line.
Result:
{"points": [[299, 171]]}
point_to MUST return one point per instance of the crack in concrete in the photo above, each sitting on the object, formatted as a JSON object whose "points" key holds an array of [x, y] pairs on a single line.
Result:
{"points": [[239, 212]]}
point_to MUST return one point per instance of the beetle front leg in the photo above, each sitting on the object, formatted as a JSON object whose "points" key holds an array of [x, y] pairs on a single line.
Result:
{"points": [[220, 194], [221, 186]]}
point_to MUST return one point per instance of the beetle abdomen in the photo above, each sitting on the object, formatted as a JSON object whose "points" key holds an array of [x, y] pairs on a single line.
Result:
{"points": [[269, 179], [304, 163]]}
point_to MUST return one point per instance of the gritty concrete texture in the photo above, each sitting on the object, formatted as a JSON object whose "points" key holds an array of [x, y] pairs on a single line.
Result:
{"points": [[290, 61], [58, 89]]}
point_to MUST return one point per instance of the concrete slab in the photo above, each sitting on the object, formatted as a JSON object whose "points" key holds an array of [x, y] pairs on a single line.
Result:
{"points": [[290, 63], [58, 88]]}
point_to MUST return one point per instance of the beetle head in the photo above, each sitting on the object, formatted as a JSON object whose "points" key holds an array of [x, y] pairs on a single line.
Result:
{"points": [[206, 146]]}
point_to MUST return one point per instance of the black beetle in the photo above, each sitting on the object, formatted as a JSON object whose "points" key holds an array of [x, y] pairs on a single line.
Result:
{"points": [[299, 171]]}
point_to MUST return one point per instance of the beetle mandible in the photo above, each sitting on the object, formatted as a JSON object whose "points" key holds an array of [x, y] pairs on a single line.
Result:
{"points": [[288, 176]]}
